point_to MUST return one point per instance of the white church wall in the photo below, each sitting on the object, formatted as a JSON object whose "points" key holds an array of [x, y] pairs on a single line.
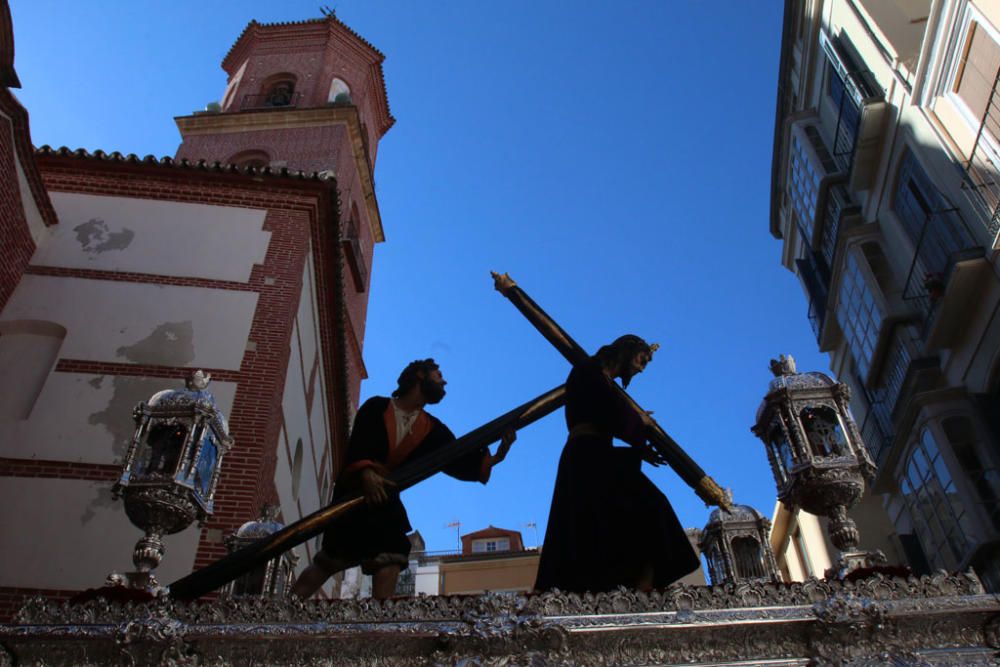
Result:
{"points": [[154, 237], [94, 422], [70, 534], [139, 323]]}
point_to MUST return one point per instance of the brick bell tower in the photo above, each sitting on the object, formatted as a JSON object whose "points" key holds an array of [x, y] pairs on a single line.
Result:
{"points": [[307, 96]]}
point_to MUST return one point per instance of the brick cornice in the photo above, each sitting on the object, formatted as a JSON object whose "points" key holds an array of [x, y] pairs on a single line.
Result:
{"points": [[200, 182], [271, 119]]}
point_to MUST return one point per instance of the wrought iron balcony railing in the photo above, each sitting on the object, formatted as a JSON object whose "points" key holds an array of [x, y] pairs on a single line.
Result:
{"points": [[877, 439], [858, 99], [270, 101], [838, 207], [878, 428], [942, 240]]}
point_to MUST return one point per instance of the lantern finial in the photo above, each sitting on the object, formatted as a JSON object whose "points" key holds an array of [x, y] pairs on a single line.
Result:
{"points": [[783, 365]]}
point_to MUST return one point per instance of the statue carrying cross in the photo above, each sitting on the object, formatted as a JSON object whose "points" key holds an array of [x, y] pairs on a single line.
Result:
{"points": [[656, 445], [609, 525]]}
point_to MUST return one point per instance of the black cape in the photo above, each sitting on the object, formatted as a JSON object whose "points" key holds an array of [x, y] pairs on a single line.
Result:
{"points": [[607, 520], [371, 530]]}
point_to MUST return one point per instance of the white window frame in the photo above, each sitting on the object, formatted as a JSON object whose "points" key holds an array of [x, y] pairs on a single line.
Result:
{"points": [[944, 85]]}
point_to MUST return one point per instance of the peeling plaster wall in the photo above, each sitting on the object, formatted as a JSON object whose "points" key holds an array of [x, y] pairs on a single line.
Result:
{"points": [[154, 237], [94, 423], [139, 323], [70, 534]]}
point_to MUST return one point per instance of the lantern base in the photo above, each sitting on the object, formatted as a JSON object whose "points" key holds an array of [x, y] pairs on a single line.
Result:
{"points": [[853, 560], [137, 581]]}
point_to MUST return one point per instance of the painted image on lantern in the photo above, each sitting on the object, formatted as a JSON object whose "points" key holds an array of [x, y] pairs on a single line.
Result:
{"points": [[205, 467]]}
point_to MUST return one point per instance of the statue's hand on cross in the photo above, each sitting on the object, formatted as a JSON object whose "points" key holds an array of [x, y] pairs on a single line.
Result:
{"points": [[506, 441]]}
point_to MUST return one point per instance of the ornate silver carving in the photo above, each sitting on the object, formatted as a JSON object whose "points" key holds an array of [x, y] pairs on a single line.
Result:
{"points": [[937, 620], [736, 546], [275, 577]]}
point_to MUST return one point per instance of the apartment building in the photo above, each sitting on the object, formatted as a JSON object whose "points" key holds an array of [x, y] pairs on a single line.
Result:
{"points": [[886, 197]]}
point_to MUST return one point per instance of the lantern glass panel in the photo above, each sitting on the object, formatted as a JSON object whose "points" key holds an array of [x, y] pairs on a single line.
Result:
{"points": [[160, 450], [782, 451], [748, 557], [824, 432]]}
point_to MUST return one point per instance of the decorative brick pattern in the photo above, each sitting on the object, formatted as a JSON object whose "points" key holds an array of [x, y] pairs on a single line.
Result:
{"points": [[140, 370], [256, 278], [59, 470]]}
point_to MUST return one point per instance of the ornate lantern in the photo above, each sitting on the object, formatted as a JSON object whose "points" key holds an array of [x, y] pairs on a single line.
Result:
{"points": [[818, 458], [273, 578], [171, 469], [736, 546]]}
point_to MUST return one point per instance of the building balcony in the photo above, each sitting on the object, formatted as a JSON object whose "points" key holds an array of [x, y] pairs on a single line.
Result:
{"points": [[860, 112], [838, 213], [816, 279], [948, 268]]}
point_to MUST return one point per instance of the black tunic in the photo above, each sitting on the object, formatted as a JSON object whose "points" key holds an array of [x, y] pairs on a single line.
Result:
{"points": [[370, 530], [607, 520]]}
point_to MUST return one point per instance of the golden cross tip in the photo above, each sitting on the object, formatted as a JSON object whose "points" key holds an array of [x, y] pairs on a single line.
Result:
{"points": [[502, 282]]}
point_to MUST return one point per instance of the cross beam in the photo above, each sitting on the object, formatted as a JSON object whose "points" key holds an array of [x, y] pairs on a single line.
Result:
{"points": [[664, 448]]}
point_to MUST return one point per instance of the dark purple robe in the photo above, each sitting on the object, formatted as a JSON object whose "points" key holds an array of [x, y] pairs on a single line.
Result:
{"points": [[370, 530], [607, 520]]}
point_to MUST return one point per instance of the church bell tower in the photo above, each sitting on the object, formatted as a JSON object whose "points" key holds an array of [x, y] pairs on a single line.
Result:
{"points": [[307, 96]]}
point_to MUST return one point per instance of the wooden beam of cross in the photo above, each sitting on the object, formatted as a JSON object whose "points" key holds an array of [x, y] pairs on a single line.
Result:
{"points": [[227, 568], [664, 448]]}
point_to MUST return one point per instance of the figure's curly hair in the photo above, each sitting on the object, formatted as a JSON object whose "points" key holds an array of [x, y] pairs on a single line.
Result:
{"points": [[411, 375]]}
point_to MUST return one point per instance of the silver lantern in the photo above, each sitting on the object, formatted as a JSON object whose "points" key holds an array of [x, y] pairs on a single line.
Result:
{"points": [[818, 458], [736, 546], [171, 469], [273, 578]]}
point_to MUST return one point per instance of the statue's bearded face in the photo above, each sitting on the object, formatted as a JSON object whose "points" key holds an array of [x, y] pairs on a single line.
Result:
{"points": [[432, 386], [633, 366]]}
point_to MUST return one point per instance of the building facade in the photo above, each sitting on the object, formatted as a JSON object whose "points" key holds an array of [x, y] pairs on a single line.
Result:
{"points": [[885, 197], [248, 255]]}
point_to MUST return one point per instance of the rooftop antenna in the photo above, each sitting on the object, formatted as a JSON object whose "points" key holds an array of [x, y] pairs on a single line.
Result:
{"points": [[326, 11], [534, 526], [457, 525]]}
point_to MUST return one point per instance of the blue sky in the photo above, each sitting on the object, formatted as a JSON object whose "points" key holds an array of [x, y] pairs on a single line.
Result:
{"points": [[614, 158]]}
